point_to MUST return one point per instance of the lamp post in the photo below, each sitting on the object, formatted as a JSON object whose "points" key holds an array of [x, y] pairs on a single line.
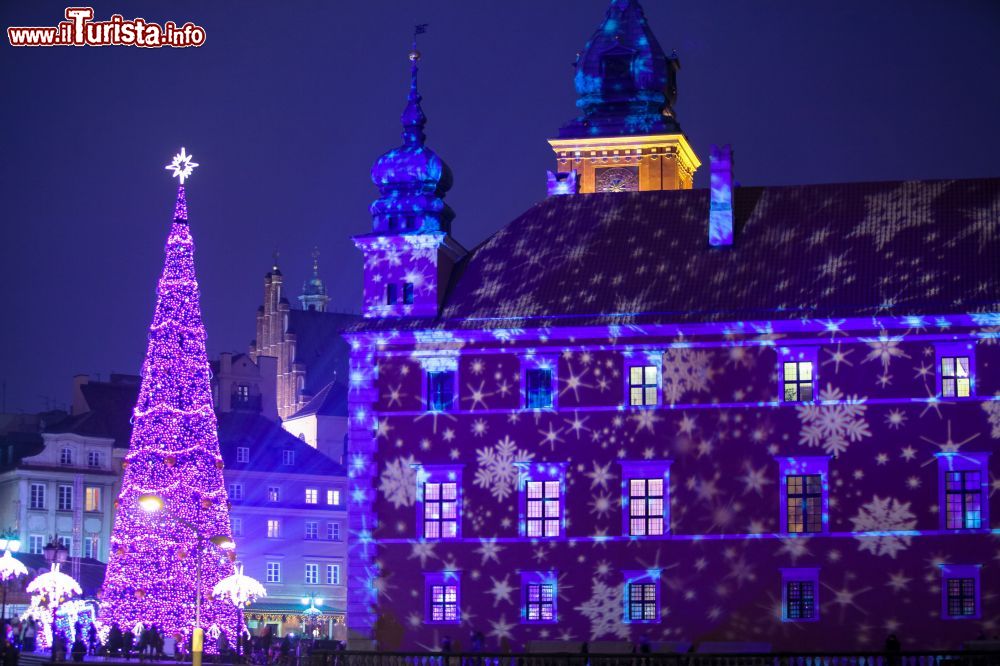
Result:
{"points": [[312, 614], [241, 591], [10, 568], [153, 504]]}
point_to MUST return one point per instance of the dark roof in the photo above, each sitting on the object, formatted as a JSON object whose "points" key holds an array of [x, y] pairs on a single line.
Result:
{"points": [[91, 571], [319, 345], [330, 401], [16, 446], [812, 251], [110, 410], [267, 441]]}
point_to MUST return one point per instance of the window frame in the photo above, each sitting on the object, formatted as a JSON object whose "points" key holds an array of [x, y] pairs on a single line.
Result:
{"points": [[954, 350], [34, 539], [428, 378], [642, 577], [549, 472], [311, 573], [66, 505], [438, 474], [333, 531], [531, 578], [242, 454], [333, 496], [444, 579], [313, 526], [66, 456], [272, 567], [98, 494], [645, 359], [288, 457], [312, 496], [961, 571], [964, 461], [273, 494], [235, 491], [94, 459], [333, 574], [798, 355], [800, 575], [535, 362], [40, 496], [236, 525], [644, 470], [804, 466], [276, 532]]}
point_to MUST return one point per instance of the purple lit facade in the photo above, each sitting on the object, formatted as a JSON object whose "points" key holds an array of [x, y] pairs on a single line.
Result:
{"points": [[751, 415]]}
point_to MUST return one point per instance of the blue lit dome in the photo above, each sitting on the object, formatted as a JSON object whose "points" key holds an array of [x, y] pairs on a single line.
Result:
{"points": [[412, 179], [625, 83]]}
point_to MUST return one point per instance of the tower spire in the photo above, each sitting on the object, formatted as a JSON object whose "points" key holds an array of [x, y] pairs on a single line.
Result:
{"points": [[413, 117], [314, 296]]}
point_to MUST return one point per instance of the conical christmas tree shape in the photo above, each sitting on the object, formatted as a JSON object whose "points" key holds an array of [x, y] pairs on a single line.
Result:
{"points": [[174, 455]]}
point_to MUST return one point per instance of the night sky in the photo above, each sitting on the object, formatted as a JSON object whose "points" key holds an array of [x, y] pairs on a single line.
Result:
{"points": [[288, 104]]}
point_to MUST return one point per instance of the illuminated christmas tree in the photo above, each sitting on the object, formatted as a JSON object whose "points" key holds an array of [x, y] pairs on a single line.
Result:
{"points": [[173, 463]]}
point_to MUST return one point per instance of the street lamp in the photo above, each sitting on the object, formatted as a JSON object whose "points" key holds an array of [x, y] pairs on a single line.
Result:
{"points": [[153, 504], [10, 568], [311, 615], [55, 552]]}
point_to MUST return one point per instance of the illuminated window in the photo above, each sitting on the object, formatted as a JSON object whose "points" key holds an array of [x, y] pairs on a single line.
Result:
{"points": [[440, 510], [65, 498], [312, 574], [273, 494], [408, 293], [543, 514], [440, 390], [645, 502], [312, 530], [93, 459], [274, 572], [540, 606], [642, 385], [798, 381], [960, 591], [92, 498], [333, 531], [642, 596], [804, 499], [390, 294], [956, 381], [36, 499], [36, 542], [242, 454], [538, 391], [333, 497], [288, 457], [273, 528], [442, 596], [333, 574], [963, 480], [66, 456], [312, 496], [799, 594], [235, 491]]}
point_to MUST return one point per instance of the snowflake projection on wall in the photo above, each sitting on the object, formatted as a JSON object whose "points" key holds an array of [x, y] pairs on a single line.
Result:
{"points": [[833, 426], [497, 467], [685, 371], [884, 348], [883, 515], [604, 610], [992, 410], [399, 482]]}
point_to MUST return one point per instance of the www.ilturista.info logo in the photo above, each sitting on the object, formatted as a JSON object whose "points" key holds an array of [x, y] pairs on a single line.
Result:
{"points": [[79, 29]]}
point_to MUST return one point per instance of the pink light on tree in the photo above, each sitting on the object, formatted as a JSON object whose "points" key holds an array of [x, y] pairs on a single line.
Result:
{"points": [[173, 455]]}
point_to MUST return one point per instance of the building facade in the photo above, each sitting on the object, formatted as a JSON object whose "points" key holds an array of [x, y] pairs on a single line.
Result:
{"points": [[760, 416]]}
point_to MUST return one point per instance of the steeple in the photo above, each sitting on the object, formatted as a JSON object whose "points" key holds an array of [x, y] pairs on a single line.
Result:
{"points": [[313, 290], [626, 137]]}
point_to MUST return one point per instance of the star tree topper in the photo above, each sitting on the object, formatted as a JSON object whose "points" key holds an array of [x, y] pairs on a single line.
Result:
{"points": [[182, 166]]}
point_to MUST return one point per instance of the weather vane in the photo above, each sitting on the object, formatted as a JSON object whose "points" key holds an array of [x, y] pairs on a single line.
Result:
{"points": [[182, 166]]}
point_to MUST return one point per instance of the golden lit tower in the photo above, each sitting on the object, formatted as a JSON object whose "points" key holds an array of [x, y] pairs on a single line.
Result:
{"points": [[626, 137]]}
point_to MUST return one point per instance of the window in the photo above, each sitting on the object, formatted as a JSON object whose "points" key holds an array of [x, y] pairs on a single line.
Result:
{"points": [[312, 495], [543, 510], [333, 574], [36, 499], [288, 457], [642, 385], [642, 596], [963, 480], [333, 497], [805, 506], [538, 596], [312, 530], [242, 454], [92, 546], [273, 572], [66, 542], [235, 491], [798, 381], [960, 592], [408, 293], [273, 528], [36, 542], [92, 498], [440, 390], [93, 459], [236, 523], [390, 294], [333, 531], [645, 502], [65, 498], [242, 393], [312, 574], [440, 510], [956, 381], [442, 597], [799, 595], [538, 388], [273, 494], [66, 456]]}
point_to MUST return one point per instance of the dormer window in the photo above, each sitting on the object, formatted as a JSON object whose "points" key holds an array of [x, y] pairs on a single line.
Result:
{"points": [[66, 456]]}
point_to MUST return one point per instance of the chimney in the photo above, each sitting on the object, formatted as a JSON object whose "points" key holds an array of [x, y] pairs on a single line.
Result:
{"points": [[79, 405], [720, 216]]}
